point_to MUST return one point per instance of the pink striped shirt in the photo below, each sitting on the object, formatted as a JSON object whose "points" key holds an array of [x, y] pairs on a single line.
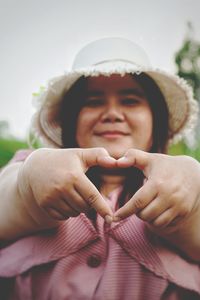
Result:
{"points": [[82, 261]]}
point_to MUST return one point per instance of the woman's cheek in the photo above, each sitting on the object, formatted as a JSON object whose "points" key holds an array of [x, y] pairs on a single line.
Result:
{"points": [[85, 126]]}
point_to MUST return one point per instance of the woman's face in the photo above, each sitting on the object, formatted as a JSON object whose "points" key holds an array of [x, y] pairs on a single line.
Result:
{"points": [[116, 116]]}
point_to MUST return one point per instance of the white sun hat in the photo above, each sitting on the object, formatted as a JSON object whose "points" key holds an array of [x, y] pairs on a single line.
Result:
{"points": [[114, 56]]}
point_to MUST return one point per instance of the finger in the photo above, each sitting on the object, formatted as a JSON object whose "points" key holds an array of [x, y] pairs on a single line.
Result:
{"points": [[76, 201], [165, 218], [153, 209], [66, 208], [140, 199], [136, 158], [97, 156], [93, 198], [55, 214]]}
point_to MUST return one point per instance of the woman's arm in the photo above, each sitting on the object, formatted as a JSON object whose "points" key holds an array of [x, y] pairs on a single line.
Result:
{"points": [[49, 187], [15, 219]]}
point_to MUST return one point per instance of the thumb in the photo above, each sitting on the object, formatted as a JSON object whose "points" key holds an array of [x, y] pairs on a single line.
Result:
{"points": [[97, 157], [135, 158]]}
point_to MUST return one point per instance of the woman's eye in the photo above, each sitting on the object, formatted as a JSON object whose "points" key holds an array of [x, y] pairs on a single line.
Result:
{"points": [[130, 101], [94, 102]]}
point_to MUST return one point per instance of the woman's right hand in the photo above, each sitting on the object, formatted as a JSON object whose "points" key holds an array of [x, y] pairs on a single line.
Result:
{"points": [[53, 186]]}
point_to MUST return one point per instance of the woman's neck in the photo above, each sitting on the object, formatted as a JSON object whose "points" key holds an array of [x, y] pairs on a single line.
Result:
{"points": [[110, 182]]}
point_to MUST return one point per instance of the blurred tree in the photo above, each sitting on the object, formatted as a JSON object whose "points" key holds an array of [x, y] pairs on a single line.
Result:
{"points": [[187, 60], [4, 129]]}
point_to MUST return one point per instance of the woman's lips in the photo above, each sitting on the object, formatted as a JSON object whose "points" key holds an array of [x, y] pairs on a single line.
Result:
{"points": [[111, 134]]}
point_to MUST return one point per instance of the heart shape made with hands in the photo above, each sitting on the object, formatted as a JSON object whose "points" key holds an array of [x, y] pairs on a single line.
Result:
{"points": [[132, 158]]}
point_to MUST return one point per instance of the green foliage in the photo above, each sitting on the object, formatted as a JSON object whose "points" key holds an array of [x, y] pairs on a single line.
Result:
{"points": [[182, 149], [8, 146], [187, 60]]}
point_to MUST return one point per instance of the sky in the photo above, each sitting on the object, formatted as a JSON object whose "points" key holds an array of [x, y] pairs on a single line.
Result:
{"points": [[40, 38]]}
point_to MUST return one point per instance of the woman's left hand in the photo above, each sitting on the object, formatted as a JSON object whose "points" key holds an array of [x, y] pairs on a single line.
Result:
{"points": [[171, 190]]}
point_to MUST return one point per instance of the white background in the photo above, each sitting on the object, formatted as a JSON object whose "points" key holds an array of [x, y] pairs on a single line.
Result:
{"points": [[39, 39]]}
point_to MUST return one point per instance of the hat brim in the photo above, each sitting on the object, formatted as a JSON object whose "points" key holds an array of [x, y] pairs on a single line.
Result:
{"points": [[183, 109]]}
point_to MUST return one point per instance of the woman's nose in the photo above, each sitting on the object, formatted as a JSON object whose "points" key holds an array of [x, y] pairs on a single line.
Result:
{"points": [[113, 113]]}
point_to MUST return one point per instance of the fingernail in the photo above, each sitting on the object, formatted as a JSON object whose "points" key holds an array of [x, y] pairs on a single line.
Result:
{"points": [[108, 219], [116, 219]]}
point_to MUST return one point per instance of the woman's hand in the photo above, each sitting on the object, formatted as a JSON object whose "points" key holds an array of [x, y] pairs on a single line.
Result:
{"points": [[169, 200], [171, 190], [55, 181]]}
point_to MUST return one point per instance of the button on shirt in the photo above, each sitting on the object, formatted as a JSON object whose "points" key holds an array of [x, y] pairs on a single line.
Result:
{"points": [[94, 260], [80, 261]]}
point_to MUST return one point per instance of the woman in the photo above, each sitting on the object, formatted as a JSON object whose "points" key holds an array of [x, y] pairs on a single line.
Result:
{"points": [[110, 120]]}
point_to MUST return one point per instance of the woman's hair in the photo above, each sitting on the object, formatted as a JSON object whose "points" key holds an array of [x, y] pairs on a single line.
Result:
{"points": [[159, 111], [71, 105]]}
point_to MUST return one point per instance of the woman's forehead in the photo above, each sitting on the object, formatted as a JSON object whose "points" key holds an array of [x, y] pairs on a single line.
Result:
{"points": [[114, 81]]}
